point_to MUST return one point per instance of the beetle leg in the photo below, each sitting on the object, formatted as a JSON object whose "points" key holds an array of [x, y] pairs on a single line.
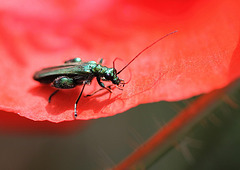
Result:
{"points": [[74, 60], [101, 60], [75, 105], [49, 99], [108, 87], [102, 85]]}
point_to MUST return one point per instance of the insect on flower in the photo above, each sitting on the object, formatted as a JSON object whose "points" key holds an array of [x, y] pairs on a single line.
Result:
{"points": [[75, 72]]}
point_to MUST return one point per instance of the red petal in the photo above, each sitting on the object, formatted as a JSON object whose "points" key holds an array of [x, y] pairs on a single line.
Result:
{"points": [[12, 123], [201, 57]]}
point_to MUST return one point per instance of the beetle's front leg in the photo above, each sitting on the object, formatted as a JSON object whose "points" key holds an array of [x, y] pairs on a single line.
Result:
{"points": [[108, 87], [102, 85]]}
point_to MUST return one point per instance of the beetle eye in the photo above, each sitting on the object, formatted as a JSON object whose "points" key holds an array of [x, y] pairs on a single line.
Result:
{"points": [[108, 76]]}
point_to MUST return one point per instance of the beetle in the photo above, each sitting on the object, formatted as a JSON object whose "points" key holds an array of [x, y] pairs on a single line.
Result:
{"points": [[75, 72]]}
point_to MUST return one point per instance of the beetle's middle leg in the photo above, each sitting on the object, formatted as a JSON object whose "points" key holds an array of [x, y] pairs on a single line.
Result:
{"points": [[103, 86], [75, 105]]}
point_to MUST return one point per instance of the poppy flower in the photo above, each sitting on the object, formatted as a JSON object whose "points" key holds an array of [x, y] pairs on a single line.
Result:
{"points": [[201, 57]]}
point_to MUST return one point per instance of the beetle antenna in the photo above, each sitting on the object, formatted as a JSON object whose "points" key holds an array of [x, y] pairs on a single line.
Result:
{"points": [[115, 61], [146, 49]]}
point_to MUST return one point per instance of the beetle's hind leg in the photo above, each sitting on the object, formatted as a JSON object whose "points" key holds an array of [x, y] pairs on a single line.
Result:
{"points": [[50, 97]]}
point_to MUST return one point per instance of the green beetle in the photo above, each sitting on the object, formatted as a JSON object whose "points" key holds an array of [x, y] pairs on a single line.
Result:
{"points": [[75, 72]]}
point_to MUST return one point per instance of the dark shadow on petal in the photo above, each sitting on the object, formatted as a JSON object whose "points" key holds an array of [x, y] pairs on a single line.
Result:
{"points": [[65, 99]]}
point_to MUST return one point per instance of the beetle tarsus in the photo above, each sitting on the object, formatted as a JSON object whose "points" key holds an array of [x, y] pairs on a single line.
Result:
{"points": [[75, 111]]}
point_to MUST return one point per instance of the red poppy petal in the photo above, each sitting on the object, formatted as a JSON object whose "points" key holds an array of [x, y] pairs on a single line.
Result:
{"points": [[19, 124], [201, 57]]}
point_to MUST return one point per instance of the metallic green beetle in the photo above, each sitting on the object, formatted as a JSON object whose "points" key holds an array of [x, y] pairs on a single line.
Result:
{"points": [[75, 72]]}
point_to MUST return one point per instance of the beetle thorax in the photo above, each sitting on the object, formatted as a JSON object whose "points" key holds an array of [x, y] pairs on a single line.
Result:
{"points": [[106, 73]]}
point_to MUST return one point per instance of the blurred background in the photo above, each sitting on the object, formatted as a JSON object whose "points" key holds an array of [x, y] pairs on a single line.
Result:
{"points": [[212, 144]]}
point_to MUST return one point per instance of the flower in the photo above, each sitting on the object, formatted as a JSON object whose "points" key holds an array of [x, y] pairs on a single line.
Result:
{"points": [[201, 57]]}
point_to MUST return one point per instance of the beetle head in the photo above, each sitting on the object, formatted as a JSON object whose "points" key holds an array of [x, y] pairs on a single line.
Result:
{"points": [[111, 75]]}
